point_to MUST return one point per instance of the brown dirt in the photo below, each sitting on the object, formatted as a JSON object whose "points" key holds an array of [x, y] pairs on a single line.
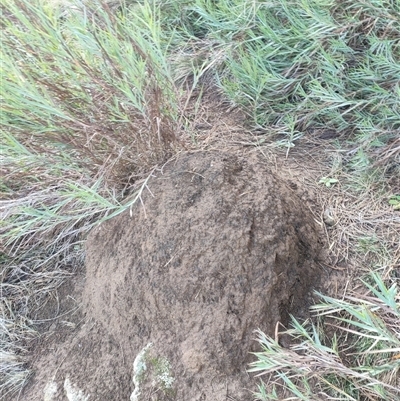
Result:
{"points": [[221, 245]]}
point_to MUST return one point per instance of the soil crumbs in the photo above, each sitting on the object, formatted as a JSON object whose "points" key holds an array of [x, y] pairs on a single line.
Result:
{"points": [[219, 246]]}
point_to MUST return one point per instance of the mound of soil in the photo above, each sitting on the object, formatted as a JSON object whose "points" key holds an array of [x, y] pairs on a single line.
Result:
{"points": [[218, 248]]}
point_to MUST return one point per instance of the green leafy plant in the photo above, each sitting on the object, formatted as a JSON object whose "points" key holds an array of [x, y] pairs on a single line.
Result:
{"points": [[395, 202], [328, 182]]}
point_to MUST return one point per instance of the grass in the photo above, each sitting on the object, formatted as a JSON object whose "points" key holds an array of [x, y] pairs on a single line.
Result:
{"points": [[359, 361], [311, 63], [88, 112], [96, 95]]}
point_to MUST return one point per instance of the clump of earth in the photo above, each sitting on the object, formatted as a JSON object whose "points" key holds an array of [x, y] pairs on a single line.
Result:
{"points": [[218, 247]]}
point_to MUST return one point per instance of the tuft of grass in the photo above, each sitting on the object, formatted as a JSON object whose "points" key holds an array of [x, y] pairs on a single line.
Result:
{"points": [[92, 89], [359, 360]]}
